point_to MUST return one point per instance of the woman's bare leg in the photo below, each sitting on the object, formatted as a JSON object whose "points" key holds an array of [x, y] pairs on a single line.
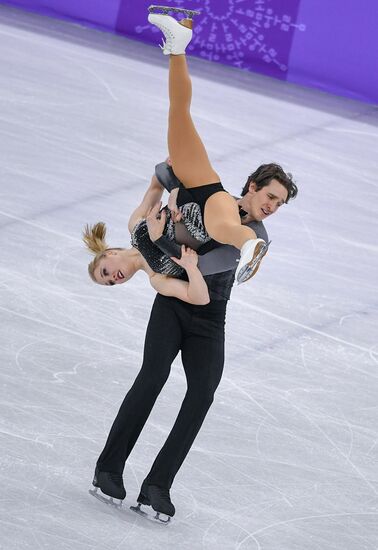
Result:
{"points": [[189, 158], [222, 221], [191, 163]]}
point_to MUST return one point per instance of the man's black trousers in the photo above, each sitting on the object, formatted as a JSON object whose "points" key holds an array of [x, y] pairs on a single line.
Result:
{"points": [[196, 331]]}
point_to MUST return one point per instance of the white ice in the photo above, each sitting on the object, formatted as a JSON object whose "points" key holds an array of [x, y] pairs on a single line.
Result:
{"points": [[287, 457]]}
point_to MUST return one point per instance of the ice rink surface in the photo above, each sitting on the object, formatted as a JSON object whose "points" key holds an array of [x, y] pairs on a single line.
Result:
{"points": [[287, 457]]}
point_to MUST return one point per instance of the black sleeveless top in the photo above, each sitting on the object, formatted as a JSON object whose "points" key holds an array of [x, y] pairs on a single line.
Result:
{"points": [[156, 259]]}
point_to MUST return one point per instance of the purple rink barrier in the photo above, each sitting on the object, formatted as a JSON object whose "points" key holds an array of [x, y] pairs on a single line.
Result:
{"points": [[330, 45], [101, 13]]}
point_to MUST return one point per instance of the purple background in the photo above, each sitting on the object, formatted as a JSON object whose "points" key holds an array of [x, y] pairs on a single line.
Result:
{"points": [[102, 13], [329, 45]]}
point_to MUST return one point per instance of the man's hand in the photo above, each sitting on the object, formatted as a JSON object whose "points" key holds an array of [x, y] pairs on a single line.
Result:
{"points": [[155, 222], [188, 260]]}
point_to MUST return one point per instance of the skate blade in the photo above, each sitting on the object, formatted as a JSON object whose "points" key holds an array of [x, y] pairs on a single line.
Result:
{"points": [[115, 503], [249, 270], [167, 9], [155, 517]]}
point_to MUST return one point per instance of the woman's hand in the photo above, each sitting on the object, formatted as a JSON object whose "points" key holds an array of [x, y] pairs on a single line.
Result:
{"points": [[172, 200], [188, 260], [155, 222], [172, 205]]}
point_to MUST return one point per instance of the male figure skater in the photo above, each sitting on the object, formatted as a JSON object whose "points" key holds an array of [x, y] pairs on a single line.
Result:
{"points": [[196, 331]]}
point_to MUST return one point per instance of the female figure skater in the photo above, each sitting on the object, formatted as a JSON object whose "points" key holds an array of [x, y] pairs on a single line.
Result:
{"points": [[189, 158], [117, 265]]}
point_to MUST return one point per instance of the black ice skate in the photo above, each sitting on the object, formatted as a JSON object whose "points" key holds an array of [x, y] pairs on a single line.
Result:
{"points": [[159, 499], [111, 484], [166, 9]]}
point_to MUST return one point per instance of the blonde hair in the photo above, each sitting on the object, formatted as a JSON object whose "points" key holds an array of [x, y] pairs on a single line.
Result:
{"points": [[94, 239]]}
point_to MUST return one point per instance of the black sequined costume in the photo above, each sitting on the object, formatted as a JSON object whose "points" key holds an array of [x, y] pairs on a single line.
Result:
{"points": [[191, 228], [190, 231]]}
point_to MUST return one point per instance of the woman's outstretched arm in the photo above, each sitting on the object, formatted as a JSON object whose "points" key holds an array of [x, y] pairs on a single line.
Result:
{"points": [[151, 197]]}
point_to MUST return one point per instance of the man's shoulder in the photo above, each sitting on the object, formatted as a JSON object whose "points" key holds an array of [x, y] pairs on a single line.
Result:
{"points": [[259, 229]]}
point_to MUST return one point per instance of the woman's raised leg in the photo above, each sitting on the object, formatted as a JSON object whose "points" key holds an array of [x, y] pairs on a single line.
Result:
{"points": [[188, 154], [189, 158], [190, 161]]}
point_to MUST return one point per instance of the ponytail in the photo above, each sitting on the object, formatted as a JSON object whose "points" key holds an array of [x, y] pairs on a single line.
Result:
{"points": [[94, 238]]}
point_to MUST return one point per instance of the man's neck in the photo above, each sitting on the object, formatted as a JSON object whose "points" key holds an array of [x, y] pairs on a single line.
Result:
{"points": [[246, 217]]}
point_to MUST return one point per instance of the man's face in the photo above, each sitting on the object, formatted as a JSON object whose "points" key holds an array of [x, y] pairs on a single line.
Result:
{"points": [[265, 202]]}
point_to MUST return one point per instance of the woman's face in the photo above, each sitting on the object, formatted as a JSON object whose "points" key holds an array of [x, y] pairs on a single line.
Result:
{"points": [[112, 269]]}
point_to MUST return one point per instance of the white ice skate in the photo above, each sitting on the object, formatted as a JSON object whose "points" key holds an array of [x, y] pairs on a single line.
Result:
{"points": [[177, 34], [251, 254]]}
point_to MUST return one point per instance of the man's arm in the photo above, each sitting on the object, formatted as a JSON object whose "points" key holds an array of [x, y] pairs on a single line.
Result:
{"points": [[151, 197], [225, 256]]}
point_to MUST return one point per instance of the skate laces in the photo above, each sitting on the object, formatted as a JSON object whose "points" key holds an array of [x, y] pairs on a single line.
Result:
{"points": [[168, 42]]}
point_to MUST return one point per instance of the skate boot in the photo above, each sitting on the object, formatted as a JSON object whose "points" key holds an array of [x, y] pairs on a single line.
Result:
{"points": [[111, 484], [251, 254], [177, 34], [159, 499], [143, 495]]}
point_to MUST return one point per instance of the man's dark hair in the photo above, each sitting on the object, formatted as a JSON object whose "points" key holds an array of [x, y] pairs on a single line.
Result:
{"points": [[268, 172]]}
